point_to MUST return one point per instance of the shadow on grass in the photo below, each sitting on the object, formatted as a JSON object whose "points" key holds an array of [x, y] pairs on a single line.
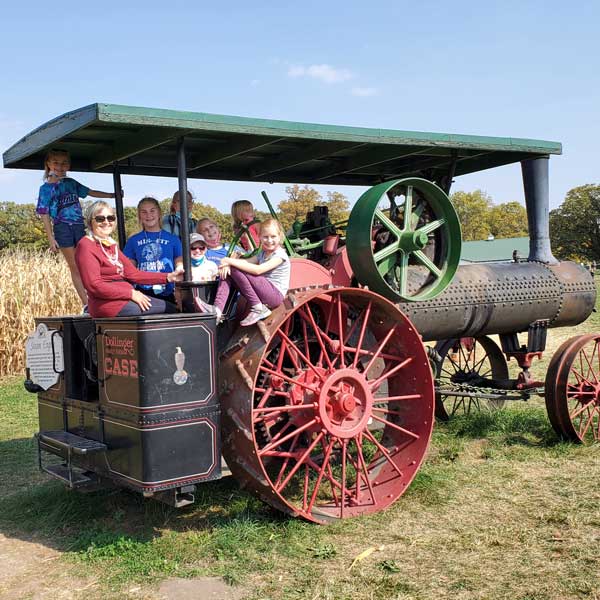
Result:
{"points": [[72, 519], [528, 427]]}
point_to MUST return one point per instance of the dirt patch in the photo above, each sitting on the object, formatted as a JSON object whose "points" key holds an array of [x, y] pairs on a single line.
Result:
{"points": [[200, 588], [31, 570]]}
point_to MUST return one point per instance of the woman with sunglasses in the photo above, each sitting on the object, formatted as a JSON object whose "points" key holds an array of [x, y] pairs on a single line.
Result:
{"points": [[108, 275]]}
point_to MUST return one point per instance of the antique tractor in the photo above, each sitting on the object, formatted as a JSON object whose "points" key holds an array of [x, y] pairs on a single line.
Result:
{"points": [[325, 409]]}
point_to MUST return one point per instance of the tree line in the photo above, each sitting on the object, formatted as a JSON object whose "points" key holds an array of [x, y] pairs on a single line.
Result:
{"points": [[574, 226]]}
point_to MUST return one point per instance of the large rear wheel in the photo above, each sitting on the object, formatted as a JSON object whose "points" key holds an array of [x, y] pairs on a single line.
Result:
{"points": [[332, 416]]}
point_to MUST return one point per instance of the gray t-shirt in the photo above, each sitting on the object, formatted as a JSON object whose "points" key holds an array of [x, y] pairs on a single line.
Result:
{"points": [[280, 275]]}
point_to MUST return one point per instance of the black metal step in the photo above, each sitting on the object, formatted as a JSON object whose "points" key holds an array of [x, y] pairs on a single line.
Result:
{"points": [[76, 443], [72, 477]]}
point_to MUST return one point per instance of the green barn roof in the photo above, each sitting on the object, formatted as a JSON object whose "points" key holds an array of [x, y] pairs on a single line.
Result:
{"points": [[494, 250], [142, 141]]}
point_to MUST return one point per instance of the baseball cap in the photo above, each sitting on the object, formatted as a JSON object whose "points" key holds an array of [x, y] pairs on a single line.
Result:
{"points": [[197, 237]]}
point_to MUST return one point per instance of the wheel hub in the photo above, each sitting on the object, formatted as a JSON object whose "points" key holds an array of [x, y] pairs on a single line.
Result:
{"points": [[339, 401], [345, 402]]}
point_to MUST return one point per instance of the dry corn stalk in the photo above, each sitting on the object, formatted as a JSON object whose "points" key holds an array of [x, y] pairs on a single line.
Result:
{"points": [[32, 284]]}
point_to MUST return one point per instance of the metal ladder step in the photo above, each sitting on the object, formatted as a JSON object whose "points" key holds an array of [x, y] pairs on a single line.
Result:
{"points": [[69, 441], [71, 476]]}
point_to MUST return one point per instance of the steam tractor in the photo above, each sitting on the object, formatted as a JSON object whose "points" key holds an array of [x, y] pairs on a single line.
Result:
{"points": [[325, 409]]}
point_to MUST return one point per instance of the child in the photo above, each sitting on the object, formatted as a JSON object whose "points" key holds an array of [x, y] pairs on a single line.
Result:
{"points": [[59, 208], [263, 279], [154, 249], [202, 268], [244, 222], [172, 221], [211, 233]]}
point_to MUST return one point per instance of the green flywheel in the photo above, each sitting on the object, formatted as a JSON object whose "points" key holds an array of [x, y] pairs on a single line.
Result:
{"points": [[404, 240]]}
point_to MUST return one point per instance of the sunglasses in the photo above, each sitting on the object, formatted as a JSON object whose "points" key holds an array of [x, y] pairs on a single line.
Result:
{"points": [[198, 248], [102, 218]]}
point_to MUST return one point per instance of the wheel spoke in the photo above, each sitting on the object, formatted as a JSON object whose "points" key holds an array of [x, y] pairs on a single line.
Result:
{"points": [[277, 441], [589, 363], [401, 429], [588, 423], [343, 492], [363, 465], [311, 320], [341, 329], [384, 452], [320, 475], [269, 410], [432, 226], [408, 208], [380, 400], [387, 223], [427, 262], [402, 270], [286, 462], [385, 265], [304, 357], [365, 318], [381, 346], [300, 462], [374, 384], [288, 379], [579, 410], [386, 252]]}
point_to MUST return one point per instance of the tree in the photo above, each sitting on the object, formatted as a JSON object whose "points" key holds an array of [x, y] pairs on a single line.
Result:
{"points": [[19, 225], [297, 204], [473, 209], [508, 220], [339, 207], [301, 200], [575, 225]]}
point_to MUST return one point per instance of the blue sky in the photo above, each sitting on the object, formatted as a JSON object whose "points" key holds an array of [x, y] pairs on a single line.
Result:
{"points": [[520, 69]]}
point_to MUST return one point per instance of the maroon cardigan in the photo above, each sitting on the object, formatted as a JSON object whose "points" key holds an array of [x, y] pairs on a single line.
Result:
{"points": [[108, 292]]}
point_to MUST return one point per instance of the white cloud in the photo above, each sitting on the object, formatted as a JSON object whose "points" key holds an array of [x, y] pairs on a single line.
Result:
{"points": [[325, 73], [364, 92]]}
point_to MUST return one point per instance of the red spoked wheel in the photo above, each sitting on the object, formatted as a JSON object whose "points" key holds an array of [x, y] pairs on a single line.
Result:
{"points": [[331, 418], [467, 361], [573, 389]]}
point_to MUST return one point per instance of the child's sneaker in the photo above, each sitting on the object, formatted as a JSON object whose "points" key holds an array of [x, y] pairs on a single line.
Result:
{"points": [[257, 313], [209, 309], [205, 307]]}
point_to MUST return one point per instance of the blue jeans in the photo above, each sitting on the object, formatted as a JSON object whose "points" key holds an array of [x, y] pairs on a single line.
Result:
{"points": [[68, 234]]}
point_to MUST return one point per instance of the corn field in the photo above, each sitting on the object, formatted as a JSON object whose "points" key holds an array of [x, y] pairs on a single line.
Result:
{"points": [[32, 284]]}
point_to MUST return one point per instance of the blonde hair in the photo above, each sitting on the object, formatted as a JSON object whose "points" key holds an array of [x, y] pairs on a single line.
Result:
{"points": [[206, 220], [175, 199], [50, 154], [149, 200], [237, 208], [273, 223], [93, 209]]}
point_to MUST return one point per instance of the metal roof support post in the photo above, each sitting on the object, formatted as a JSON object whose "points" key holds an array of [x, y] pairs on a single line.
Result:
{"points": [[119, 206], [537, 202], [183, 207]]}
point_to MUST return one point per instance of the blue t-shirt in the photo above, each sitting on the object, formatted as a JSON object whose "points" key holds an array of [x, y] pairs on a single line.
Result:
{"points": [[61, 201], [154, 251], [216, 254]]}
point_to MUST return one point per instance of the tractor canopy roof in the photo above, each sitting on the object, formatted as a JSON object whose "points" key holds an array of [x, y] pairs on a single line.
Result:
{"points": [[143, 141]]}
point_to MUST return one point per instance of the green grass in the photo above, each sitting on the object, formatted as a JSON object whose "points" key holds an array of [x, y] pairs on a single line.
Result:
{"points": [[497, 495], [500, 509]]}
